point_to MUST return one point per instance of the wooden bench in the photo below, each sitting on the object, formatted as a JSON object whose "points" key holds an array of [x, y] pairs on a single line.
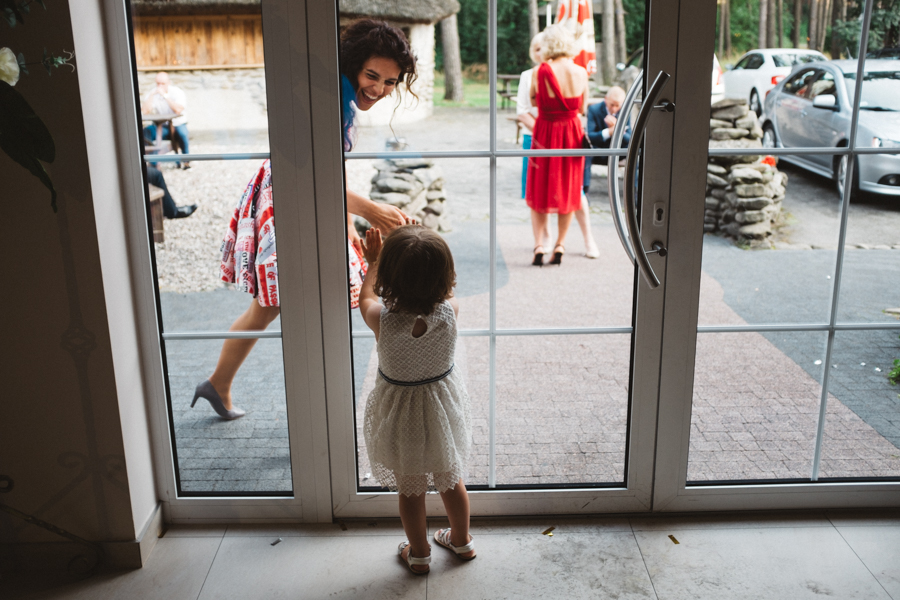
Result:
{"points": [[156, 213], [507, 95]]}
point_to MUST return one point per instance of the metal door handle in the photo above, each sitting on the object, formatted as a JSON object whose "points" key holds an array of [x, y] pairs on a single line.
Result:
{"points": [[615, 142], [631, 217]]}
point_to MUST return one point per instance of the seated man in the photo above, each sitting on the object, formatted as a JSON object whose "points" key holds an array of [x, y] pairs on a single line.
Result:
{"points": [[601, 121], [170, 210], [165, 99]]}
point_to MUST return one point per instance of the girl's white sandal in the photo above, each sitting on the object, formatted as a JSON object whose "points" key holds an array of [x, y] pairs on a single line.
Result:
{"points": [[442, 537], [411, 560]]}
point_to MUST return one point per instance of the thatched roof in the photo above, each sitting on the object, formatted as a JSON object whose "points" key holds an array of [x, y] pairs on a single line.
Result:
{"points": [[402, 11], [406, 11]]}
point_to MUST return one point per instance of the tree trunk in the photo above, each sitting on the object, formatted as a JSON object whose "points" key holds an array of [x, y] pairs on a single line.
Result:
{"points": [[533, 26], [798, 16], [780, 24], [453, 81], [824, 19], [609, 41], [771, 30], [813, 24], [721, 40], [835, 17], [763, 23], [621, 51], [727, 7]]}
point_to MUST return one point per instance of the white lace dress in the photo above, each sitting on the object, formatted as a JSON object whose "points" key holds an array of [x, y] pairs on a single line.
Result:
{"points": [[418, 436]]}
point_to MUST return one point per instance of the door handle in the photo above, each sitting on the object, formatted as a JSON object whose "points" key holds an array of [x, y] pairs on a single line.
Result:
{"points": [[615, 199], [631, 217]]}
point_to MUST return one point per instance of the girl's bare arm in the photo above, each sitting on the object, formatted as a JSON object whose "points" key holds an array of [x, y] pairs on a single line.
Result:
{"points": [[369, 306]]}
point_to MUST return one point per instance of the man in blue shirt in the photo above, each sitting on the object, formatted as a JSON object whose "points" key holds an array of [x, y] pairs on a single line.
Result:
{"points": [[601, 121]]}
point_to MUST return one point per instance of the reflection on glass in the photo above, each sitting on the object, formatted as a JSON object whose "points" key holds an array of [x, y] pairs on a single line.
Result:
{"points": [[862, 426], [215, 455], [755, 406], [201, 75], [877, 175], [562, 404], [771, 250], [582, 291]]}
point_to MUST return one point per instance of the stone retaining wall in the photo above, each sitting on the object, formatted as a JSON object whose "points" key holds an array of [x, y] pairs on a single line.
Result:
{"points": [[743, 193], [415, 186]]}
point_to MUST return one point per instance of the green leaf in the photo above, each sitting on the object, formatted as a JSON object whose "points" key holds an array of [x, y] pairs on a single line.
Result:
{"points": [[12, 12], [24, 137]]}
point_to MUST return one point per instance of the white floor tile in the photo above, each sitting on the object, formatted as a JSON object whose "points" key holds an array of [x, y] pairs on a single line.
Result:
{"points": [[352, 568], [730, 521], [539, 525], [791, 563], [865, 518], [176, 569], [176, 530], [526, 566], [387, 527], [879, 549]]}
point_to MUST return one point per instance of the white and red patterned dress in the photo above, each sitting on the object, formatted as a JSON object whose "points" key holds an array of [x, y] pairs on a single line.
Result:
{"points": [[248, 250]]}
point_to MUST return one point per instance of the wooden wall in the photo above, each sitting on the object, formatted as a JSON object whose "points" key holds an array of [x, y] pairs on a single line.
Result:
{"points": [[198, 42]]}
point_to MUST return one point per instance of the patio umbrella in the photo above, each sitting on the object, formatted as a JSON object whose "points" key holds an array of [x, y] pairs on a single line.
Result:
{"points": [[578, 17]]}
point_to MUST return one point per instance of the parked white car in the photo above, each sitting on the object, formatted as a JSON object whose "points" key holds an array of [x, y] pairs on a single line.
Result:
{"points": [[758, 71]]}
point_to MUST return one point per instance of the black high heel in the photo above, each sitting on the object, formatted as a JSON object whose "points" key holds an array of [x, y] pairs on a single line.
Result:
{"points": [[538, 256], [557, 256], [206, 391]]}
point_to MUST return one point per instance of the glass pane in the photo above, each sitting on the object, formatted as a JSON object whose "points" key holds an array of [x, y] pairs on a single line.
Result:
{"points": [[582, 291], [862, 426], [771, 245], [450, 196], [188, 251], [472, 359], [562, 409], [880, 87], [755, 406], [202, 74], [423, 119], [215, 456]]}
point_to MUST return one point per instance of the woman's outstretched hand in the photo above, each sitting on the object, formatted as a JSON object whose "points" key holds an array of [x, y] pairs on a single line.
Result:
{"points": [[388, 218], [372, 245]]}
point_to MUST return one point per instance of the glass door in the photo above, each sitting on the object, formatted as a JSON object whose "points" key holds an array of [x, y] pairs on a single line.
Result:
{"points": [[778, 349], [561, 362]]}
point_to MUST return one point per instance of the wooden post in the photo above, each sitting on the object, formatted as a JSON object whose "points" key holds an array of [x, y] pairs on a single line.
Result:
{"points": [[453, 81], [763, 24], [609, 41], [621, 51], [798, 16]]}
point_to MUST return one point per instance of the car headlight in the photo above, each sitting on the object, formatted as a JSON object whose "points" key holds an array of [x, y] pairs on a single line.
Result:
{"points": [[878, 142]]}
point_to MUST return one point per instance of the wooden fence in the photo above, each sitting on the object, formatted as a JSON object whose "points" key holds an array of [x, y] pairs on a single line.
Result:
{"points": [[198, 42]]}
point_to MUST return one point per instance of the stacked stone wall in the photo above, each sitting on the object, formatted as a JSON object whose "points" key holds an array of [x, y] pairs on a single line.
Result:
{"points": [[743, 193], [415, 186]]}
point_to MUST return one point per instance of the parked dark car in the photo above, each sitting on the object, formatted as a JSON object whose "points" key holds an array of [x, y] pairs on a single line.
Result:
{"points": [[812, 108]]}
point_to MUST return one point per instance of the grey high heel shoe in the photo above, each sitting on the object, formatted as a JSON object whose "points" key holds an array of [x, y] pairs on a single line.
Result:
{"points": [[206, 391]]}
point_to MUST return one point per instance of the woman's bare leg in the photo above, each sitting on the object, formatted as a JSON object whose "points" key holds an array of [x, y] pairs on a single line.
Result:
{"points": [[563, 223], [412, 514], [540, 225], [583, 216], [456, 503], [234, 352]]}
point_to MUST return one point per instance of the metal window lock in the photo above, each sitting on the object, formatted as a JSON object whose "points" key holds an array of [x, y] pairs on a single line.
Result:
{"points": [[665, 106], [658, 248]]}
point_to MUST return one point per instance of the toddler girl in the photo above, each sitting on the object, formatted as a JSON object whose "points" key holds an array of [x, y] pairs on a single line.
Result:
{"points": [[417, 425]]}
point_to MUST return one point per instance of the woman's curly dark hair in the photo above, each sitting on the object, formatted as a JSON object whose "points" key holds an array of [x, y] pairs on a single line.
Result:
{"points": [[415, 271], [366, 38]]}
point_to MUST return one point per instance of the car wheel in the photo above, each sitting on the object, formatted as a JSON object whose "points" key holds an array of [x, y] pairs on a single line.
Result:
{"points": [[840, 175], [755, 106], [769, 140]]}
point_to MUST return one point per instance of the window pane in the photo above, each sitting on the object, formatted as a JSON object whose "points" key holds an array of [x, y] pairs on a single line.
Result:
{"points": [[755, 406], [562, 408], [862, 426], [249, 455]]}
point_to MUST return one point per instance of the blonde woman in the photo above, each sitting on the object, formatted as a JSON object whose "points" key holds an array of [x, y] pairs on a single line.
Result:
{"points": [[525, 110], [559, 89]]}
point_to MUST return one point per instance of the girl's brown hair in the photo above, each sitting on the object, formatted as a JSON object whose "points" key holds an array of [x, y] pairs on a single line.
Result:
{"points": [[415, 270], [366, 38]]}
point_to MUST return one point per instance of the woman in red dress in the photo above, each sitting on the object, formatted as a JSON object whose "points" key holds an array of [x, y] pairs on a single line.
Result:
{"points": [[559, 90]]}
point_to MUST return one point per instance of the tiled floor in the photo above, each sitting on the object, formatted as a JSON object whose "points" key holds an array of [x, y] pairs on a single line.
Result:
{"points": [[848, 554]]}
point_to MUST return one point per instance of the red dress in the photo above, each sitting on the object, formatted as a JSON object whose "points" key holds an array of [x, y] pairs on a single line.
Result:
{"points": [[555, 182]]}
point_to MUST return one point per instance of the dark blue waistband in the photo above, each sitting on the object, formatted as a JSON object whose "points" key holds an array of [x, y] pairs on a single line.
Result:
{"points": [[414, 383]]}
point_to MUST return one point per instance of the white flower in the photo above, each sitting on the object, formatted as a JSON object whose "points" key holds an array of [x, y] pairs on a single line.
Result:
{"points": [[9, 66]]}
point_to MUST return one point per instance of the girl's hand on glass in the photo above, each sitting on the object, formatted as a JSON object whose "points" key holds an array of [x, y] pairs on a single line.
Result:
{"points": [[372, 246]]}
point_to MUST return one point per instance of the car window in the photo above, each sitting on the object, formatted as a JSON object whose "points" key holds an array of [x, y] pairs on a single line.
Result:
{"points": [[791, 59], [799, 83], [755, 62], [880, 90], [823, 86], [742, 64]]}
